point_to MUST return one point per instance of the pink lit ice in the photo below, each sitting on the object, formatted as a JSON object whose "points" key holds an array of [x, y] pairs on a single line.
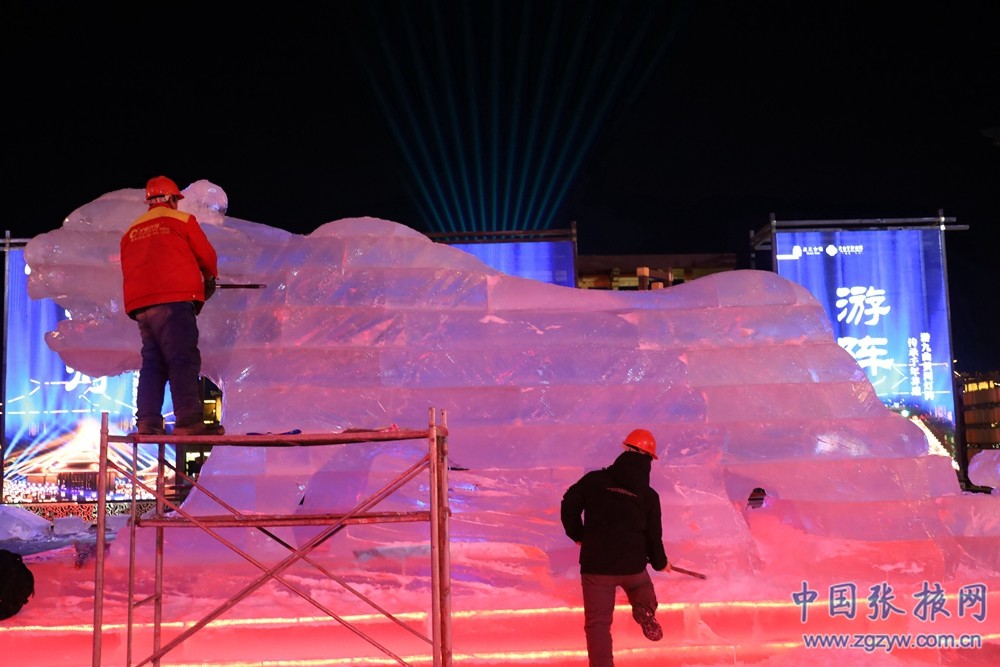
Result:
{"points": [[366, 323]]}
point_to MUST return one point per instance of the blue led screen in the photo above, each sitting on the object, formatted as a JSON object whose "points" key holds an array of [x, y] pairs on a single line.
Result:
{"points": [[545, 261], [886, 294], [51, 412]]}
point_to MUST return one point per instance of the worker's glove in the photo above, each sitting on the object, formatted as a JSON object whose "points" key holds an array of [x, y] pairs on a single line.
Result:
{"points": [[209, 287]]}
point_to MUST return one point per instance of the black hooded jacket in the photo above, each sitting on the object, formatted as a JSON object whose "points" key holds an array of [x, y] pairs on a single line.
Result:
{"points": [[615, 515]]}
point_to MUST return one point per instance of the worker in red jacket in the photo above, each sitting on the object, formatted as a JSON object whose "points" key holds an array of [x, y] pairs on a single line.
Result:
{"points": [[169, 270]]}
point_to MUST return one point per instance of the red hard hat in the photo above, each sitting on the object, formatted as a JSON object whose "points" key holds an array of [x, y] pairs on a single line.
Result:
{"points": [[161, 186], [642, 440]]}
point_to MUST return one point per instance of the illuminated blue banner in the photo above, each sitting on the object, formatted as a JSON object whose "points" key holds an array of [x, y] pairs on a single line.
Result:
{"points": [[545, 261], [51, 412], [886, 294]]}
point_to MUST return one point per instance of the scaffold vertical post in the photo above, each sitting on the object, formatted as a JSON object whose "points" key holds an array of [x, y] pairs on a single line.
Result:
{"points": [[102, 495], [161, 490], [435, 536], [444, 510], [440, 564], [132, 525]]}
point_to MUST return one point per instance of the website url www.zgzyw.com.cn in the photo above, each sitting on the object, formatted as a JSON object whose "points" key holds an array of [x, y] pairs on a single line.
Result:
{"points": [[871, 642]]}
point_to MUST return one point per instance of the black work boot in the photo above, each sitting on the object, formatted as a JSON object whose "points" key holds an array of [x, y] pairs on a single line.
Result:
{"points": [[650, 626], [150, 427]]}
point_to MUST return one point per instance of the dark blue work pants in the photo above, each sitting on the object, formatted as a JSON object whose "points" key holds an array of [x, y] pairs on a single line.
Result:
{"points": [[599, 608], [170, 353]]}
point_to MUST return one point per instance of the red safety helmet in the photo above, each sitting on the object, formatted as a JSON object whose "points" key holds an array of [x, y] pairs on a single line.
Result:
{"points": [[642, 440], [161, 186]]}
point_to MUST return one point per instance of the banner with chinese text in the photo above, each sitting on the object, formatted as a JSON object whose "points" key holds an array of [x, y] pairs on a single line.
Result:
{"points": [[886, 294]]}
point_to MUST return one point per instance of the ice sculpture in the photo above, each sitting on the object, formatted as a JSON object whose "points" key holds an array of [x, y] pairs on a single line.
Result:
{"points": [[365, 322], [984, 468]]}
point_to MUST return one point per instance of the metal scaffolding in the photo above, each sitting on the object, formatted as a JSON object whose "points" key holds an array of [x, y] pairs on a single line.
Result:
{"points": [[169, 513]]}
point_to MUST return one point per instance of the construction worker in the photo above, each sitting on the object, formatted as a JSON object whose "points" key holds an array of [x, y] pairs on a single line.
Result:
{"points": [[169, 270], [614, 515]]}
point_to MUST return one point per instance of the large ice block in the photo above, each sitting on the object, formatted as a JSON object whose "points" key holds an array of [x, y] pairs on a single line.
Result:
{"points": [[366, 323]]}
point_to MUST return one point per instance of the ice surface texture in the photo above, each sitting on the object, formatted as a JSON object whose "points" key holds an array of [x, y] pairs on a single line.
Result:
{"points": [[365, 323]]}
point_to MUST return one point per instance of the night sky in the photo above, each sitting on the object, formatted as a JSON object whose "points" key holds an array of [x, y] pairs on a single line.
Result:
{"points": [[657, 127]]}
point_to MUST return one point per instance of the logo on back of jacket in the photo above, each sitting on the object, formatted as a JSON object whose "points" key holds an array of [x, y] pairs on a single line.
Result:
{"points": [[142, 232], [624, 492]]}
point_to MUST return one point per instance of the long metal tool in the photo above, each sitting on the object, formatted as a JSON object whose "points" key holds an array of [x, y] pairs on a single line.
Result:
{"points": [[241, 285], [691, 573]]}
